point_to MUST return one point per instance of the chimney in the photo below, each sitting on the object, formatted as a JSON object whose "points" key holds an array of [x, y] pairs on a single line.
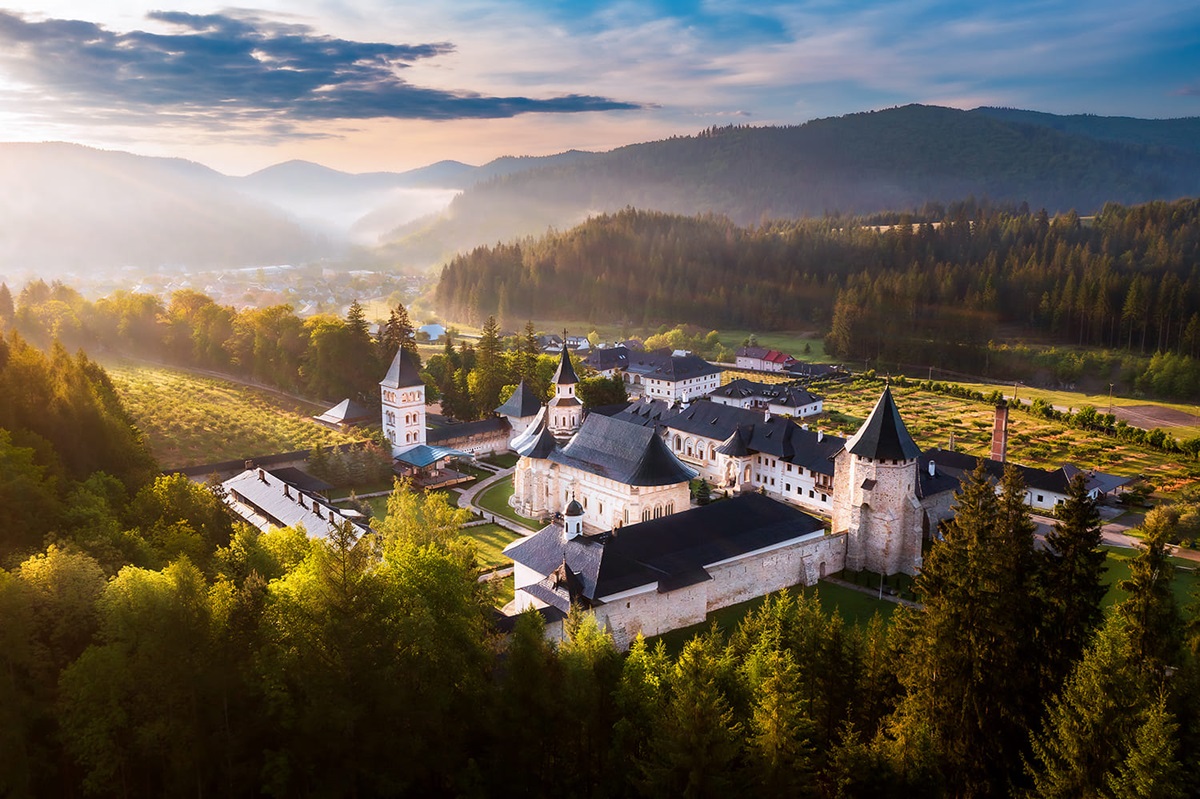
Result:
{"points": [[767, 415], [932, 469], [820, 436], [249, 465], [1000, 432], [262, 475], [287, 492]]}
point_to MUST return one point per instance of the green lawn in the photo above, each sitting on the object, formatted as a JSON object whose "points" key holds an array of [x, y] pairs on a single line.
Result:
{"points": [[505, 460], [504, 590], [855, 608], [189, 420], [490, 540], [1185, 585], [495, 500]]}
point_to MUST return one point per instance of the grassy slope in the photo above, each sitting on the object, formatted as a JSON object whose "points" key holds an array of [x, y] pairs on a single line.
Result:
{"points": [[190, 420]]}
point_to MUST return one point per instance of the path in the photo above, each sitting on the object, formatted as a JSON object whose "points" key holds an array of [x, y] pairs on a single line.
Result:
{"points": [[466, 499]]}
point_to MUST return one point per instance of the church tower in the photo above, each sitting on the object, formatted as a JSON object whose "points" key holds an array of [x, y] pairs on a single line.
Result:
{"points": [[875, 494], [564, 413], [402, 396]]}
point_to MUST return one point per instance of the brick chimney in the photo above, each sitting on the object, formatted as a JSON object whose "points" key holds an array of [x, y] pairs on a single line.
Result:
{"points": [[1000, 432]]}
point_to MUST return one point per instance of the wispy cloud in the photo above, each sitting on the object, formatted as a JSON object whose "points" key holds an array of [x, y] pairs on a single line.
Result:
{"points": [[241, 68]]}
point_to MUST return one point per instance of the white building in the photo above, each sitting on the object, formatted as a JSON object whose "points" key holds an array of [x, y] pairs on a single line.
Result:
{"points": [[747, 451], [783, 400], [762, 359], [267, 502]]}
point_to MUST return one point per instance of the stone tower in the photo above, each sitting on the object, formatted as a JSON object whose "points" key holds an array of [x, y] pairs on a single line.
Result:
{"points": [[875, 494], [564, 413], [402, 396]]}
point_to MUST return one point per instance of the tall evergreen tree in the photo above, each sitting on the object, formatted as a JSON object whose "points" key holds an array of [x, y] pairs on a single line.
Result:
{"points": [[491, 370], [1072, 573], [779, 736], [697, 739], [398, 332], [1091, 723], [1152, 769], [7, 311], [1155, 625], [970, 672]]}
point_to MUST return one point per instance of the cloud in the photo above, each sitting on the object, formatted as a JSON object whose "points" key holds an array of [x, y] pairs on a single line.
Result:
{"points": [[239, 69]]}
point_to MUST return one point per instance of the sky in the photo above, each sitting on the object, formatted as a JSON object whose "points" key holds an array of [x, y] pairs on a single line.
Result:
{"points": [[365, 85]]}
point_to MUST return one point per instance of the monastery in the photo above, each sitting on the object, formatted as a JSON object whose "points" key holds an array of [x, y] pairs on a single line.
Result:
{"points": [[621, 538]]}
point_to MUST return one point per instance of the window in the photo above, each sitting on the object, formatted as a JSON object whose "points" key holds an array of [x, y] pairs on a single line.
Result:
{"points": [[824, 498], [1040, 498], [810, 493]]}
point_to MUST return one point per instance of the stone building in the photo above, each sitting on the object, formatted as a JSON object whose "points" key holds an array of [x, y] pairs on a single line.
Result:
{"points": [[875, 494], [668, 573]]}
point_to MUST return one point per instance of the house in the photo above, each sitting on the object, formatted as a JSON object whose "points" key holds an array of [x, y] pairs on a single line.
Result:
{"points": [[762, 359], [667, 376], [431, 332], [345, 414], [265, 501], [670, 572], [744, 451], [783, 400]]}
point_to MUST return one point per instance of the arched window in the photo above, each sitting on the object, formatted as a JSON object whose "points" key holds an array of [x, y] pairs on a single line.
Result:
{"points": [[678, 443], [669, 509], [688, 444], [646, 515]]}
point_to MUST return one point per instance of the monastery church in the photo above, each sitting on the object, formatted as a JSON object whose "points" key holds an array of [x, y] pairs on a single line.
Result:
{"points": [[624, 544]]}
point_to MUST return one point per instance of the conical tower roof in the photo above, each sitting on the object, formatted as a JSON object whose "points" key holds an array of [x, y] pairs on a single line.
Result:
{"points": [[566, 372], [522, 404], [883, 436], [404, 372]]}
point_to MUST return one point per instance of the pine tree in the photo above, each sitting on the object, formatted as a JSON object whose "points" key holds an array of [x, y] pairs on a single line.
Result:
{"points": [[1155, 626], [7, 312], [1152, 769], [1092, 721], [703, 492], [779, 740], [697, 739], [397, 333], [1072, 573], [490, 369], [970, 672]]}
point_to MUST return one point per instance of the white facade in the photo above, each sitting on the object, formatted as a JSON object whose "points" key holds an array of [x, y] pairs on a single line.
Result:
{"points": [[685, 390], [403, 412], [801, 412], [542, 488]]}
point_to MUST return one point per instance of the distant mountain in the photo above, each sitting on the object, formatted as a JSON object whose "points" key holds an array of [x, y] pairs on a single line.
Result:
{"points": [[66, 207], [897, 159]]}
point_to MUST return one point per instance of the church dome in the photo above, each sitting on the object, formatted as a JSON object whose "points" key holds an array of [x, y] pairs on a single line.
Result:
{"points": [[574, 509]]}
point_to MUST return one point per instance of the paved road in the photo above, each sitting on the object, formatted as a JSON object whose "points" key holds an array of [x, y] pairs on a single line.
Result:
{"points": [[1114, 532]]}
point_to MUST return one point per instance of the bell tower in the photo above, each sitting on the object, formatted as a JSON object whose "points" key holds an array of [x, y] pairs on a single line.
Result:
{"points": [[564, 413], [402, 400]]}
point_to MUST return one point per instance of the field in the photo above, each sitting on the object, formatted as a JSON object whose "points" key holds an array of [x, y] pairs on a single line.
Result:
{"points": [[190, 419], [1181, 420], [934, 418]]}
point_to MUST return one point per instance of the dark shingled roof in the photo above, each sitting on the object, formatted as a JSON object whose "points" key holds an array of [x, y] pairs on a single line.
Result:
{"points": [[542, 446], [606, 358], [403, 373], [952, 468], [883, 436], [662, 365], [624, 452], [522, 404], [452, 432], [775, 436], [673, 551], [565, 373]]}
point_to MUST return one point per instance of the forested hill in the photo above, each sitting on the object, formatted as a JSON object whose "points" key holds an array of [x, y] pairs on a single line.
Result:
{"points": [[1129, 279], [900, 158]]}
